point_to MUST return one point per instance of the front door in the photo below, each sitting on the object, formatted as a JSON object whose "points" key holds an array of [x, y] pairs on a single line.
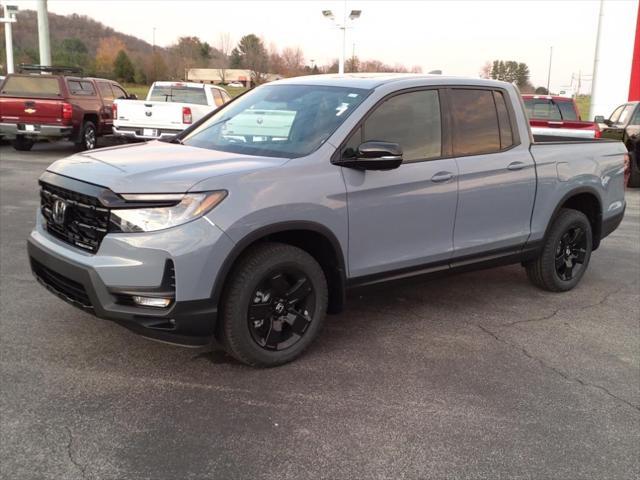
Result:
{"points": [[402, 218]]}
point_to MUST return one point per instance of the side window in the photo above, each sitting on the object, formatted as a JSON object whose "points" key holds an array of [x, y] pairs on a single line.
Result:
{"points": [[217, 97], [504, 122], [225, 96], [616, 114], [636, 117], [87, 88], [475, 122], [105, 90], [118, 92], [74, 87], [624, 116], [410, 119]]}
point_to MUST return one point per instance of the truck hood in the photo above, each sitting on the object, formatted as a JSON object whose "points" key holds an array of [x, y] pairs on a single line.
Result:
{"points": [[156, 167]]}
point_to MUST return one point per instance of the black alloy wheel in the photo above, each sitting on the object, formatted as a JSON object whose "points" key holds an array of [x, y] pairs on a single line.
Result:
{"points": [[278, 316], [571, 253]]}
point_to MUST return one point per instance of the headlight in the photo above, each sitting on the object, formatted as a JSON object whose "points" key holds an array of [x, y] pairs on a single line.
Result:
{"points": [[171, 210]]}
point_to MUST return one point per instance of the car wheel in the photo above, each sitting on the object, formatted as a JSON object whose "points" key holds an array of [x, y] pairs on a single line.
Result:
{"points": [[88, 138], [22, 144], [565, 254], [274, 305]]}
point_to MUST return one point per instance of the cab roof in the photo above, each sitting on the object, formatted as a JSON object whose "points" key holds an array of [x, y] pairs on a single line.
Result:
{"points": [[370, 81]]}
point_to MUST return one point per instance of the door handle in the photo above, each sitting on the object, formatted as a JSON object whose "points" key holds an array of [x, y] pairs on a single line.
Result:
{"points": [[442, 177], [516, 166]]}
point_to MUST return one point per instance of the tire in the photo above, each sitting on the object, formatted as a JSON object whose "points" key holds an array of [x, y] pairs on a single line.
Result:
{"points": [[271, 282], [88, 139], [565, 254], [22, 144]]}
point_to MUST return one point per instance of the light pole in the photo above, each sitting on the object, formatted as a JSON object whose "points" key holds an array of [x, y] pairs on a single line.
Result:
{"points": [[10, 12], [328, 14], [43, 34], [549, 75]]}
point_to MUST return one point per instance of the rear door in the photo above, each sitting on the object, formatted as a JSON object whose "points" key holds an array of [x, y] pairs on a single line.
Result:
{"points": [[497, 179], [402, 218], [108, 96]]}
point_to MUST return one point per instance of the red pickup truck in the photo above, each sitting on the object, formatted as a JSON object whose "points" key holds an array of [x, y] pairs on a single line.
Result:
{"points": [[49, 103], [557, 116]]}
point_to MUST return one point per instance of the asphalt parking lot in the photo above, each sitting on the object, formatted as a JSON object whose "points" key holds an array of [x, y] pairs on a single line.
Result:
{"points": [[478, 375]]}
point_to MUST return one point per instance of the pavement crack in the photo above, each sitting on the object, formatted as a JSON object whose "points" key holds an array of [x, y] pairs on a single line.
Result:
{"points": [[558, 310], [70, 454], [557, 371]]}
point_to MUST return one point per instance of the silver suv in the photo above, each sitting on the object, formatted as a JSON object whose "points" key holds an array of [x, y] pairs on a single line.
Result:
{"points": [[251, 225]]}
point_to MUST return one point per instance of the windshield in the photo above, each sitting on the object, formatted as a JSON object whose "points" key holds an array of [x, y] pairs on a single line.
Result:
{"points": [[178, 94], [278, 120]]}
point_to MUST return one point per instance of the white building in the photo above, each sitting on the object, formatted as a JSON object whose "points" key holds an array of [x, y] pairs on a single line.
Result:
{"points": [[214, 75]]}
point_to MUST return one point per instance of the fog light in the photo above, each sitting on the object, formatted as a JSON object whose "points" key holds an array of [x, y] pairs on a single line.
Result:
{"points": [[152, 301]]}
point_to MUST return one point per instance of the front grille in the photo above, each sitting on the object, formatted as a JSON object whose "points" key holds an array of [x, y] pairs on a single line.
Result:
{"points": [[83, 223], [69, 290]]}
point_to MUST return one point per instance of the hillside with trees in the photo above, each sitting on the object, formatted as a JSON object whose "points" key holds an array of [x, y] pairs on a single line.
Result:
{"points": [[80, 41]]}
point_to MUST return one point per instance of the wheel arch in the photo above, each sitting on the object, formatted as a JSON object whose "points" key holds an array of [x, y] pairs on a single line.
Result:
{"points": [[316, 239], [586, 200]]}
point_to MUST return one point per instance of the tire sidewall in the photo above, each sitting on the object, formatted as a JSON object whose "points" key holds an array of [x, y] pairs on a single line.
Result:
{"points": [[234, 314]]}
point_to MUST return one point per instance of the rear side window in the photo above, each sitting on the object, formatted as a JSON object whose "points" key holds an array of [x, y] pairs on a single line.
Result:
{"points": [[77, 87], [568, 111], [410, 119], [475, 122], [504, 122], [118, 92], [542, 109], [32, 85]]}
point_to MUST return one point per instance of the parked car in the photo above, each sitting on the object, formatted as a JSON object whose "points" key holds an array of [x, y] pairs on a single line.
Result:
{"points": [[251, 225], [235, 85], [169, 108], [624, 125], [557, 116], [56, 103]]}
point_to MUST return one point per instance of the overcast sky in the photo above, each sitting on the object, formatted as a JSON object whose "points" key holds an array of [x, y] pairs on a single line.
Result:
{"points": [[455, 36]]}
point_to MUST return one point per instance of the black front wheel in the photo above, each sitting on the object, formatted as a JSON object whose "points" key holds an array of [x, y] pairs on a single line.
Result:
{"points": [[274, 305], [565, 254]]}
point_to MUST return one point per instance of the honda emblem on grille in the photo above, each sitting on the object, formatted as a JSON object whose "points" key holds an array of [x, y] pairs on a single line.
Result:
{"points": [[59, 211]]}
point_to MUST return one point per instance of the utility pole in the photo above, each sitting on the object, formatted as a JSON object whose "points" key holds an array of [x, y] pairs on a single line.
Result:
{"points": [[596, 61], [10, 12], [43, 34], [549, 75]]}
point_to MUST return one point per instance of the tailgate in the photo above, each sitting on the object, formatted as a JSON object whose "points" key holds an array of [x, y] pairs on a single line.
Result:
{"points": [[30, 110], [133, 113]]}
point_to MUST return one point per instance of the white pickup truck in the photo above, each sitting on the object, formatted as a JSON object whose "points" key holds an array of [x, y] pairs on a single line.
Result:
{"points": [[170, 107]]}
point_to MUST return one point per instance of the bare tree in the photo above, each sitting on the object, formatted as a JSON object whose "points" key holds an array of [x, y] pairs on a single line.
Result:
{"points": [[293, 61], [485, 72], [224, 47]]}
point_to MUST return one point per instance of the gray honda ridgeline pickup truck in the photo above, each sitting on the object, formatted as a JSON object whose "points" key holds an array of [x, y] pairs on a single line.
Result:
{"points": [[248, 227]]}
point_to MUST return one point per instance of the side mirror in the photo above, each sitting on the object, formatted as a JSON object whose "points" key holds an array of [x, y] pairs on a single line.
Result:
{"points": [[374, 155], [132, 96]]}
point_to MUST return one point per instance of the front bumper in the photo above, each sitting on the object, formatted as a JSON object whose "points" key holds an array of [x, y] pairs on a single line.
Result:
{"points": [[133, 264], [12, 130], [138, 133]]}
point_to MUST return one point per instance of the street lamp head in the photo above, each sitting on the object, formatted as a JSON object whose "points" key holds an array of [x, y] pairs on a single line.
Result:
{"points": [[327, 14], [355, 14]]}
